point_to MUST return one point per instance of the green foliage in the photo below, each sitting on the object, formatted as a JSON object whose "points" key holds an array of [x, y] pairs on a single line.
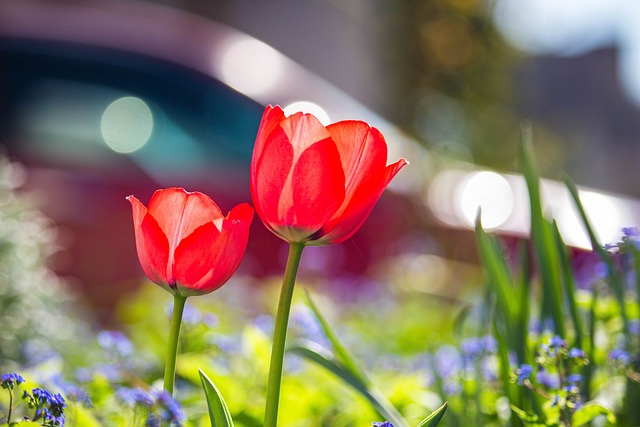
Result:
{"points": [[399, 354], [218, 411], [36, 307]]}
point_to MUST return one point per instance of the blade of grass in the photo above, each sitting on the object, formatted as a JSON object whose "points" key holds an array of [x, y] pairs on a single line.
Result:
{"points": [[321, 357], [569, 288], [613, 276], [218, 411], [497, 272], [508, 297], [340, 352], [435, 417], [542, 236]]}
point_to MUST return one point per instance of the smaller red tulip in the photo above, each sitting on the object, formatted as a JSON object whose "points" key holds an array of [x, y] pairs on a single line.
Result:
{"points": [[184, 242], [315, 184]]}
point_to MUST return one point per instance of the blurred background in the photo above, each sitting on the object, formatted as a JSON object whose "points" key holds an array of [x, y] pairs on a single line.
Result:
{"points": [[99, 100]]}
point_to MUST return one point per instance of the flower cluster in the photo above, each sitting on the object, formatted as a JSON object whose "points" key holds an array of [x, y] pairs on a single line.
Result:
{"points": [[382, 424], [10, 381], [158, 406], [556, 374], [476, 358], [49, 407]]}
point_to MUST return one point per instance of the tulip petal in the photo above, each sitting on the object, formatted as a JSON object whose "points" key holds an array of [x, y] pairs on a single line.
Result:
{"points": [[271, 118], [195, 257], [269, 177], [363, 152], [317, 188], [232, 244], [353, 215], [179, 212], [303, 130], [151, 243], [206, 259]]}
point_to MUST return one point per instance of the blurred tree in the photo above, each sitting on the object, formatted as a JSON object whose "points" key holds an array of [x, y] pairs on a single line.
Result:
{"points": [[454, 78], [35, 306]]}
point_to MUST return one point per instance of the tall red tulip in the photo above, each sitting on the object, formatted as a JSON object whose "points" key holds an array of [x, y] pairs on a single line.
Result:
{"points": [[314, 184], [184, 242]]}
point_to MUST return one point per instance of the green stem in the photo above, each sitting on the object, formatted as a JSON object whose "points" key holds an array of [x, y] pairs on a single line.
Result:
{"points": [[172, 346], [280, 334], [10, 406]]}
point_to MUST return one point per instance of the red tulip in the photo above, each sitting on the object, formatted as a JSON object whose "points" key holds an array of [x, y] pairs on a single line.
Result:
{"points": [[185, 244], [317, 184]]}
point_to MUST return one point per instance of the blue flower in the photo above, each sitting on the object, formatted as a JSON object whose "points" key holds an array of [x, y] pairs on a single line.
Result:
{"points": [[170, 409], [548, 380], [630, 232], [524, 372], [135, 396], [9, 381], [573, 379], [556, 341], [620, 358], [48, 406], [576, 353], [381, 424], [115, 342], [160, 405]]}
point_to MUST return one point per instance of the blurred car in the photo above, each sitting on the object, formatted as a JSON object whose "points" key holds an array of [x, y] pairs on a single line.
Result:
{"points": [[104, 100]]}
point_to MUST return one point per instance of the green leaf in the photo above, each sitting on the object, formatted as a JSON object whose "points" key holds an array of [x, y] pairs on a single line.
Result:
{"points": [[218, 411], [569, 287], [435, 417], [614, 277], [497, 272], [542, 236], [322, 357], [589, 411], [340, 352]]}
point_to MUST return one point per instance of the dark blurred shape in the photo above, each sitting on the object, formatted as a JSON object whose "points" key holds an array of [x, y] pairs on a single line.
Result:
{"points": [[56, 91], [123, 100]]}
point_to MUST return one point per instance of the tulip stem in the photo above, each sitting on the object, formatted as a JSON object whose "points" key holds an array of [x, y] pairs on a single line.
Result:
{"points": [[172, 346], [280, 334]]}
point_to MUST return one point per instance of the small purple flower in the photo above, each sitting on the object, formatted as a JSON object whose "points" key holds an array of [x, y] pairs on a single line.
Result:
{"points": [[448, 361], [556, 342], [264, 323], [524, 372], [115, 342], [630, 232], [48, 406], [159, 404], [135, 396], [547, 380], [305, 323], [576, 353], [170, 409], [381, 424], [619, 357], [472, 347], [10, 381], [573, 379]]}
